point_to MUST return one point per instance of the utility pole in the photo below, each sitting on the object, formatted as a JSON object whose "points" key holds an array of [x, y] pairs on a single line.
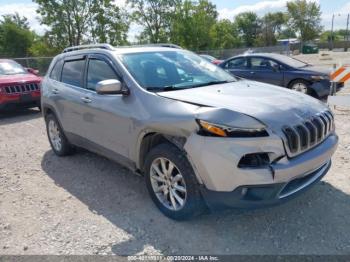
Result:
{"points": [[331, 47], [347, 34]]}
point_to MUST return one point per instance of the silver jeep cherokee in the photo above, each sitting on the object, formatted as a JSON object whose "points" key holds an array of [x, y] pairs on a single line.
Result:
{"points": [[199, 136]]}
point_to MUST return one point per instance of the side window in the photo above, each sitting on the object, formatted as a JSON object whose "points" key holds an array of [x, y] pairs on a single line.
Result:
{"points": [[98, 70], [56, 71], [237, 63], [72, 72], [260, 63]]}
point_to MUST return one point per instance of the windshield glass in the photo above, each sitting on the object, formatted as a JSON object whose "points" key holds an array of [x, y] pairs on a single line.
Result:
{"points": [[173, 70], [292, 62], [208, 58], [11, 68]]}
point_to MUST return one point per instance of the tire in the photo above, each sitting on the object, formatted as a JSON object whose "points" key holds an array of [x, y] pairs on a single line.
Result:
{"points": [[193, 203], [57, 139], [300, 85]]}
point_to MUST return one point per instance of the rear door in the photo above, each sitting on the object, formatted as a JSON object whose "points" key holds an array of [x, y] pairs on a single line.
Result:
{"points": [[238, 67], [266, 70], [68, 92]]}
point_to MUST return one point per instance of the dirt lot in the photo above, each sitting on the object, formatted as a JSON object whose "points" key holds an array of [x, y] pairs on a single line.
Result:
{"points": [[85, 204]]}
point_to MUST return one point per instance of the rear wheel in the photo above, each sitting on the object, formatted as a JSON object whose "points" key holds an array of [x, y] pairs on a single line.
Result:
{"points": [[300, 85], [172, 184], [57, 139]]}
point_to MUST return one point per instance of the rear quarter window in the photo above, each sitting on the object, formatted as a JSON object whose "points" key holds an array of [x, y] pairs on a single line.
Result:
{"points": [[72, 72], [55, 73]]}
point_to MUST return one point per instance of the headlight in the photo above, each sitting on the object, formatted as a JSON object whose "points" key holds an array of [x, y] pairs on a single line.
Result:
{"points": [[318, 78], [211, 129]]}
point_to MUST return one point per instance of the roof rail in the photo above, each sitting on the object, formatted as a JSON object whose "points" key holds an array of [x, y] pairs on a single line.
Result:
{"points": [[80, 47], [165, 45], [151, 45]]}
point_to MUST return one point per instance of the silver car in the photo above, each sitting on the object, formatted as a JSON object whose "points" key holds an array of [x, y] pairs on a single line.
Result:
{"points": [[201, 138]]}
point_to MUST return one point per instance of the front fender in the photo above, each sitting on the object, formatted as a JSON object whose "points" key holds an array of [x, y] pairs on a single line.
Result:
{"points": [[321, 88]]}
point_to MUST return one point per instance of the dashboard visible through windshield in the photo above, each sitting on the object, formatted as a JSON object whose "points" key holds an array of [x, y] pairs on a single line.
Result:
{"points": [[173, 70]]}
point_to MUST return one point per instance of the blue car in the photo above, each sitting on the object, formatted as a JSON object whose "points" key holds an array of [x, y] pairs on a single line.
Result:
{"points": [[282, 71]]}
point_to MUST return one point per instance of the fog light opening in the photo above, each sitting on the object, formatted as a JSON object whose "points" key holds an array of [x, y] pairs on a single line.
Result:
{"points": [[255, 160]]}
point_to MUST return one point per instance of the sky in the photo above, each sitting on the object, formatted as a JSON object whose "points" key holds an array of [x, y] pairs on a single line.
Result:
{"points": [[226, 8]]}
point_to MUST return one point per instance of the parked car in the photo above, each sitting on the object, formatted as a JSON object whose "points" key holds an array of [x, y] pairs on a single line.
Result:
{"points": [[212, 59], [200, 137], [18, 85], [282, 71]]}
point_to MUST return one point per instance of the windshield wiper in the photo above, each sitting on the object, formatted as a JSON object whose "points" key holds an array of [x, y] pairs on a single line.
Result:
{"points": [[212, 83], [172, 88], [161, 88]]}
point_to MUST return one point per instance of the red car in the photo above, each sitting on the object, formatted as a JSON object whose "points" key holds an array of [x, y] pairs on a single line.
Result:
{"points": [[212, 59], [18, 85]]}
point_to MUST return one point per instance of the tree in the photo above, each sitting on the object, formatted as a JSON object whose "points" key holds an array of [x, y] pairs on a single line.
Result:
{"points": [[224, 35], [110, 24], [273, 24], [249, 27], [73, 22], [15, 36], [192, 24], [287, 32], [155, 16], [21, 22], [305, 18]]}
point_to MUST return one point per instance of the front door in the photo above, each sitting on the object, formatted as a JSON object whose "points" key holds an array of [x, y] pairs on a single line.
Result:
{"points": [[238, 67], [266, 70], [107, 118]]}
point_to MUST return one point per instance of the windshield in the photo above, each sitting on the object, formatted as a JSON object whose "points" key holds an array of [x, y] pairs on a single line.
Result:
{"points": [[173, 70], [292, 62], [11, 68], [208, 58]]}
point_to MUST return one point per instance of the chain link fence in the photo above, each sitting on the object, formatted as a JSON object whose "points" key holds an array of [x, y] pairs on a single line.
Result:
{"points": [[227, 53], [42, 63], [39, 63]]}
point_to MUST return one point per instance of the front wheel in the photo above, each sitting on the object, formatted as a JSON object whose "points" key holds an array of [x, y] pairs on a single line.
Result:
{"points": [[172, 183], [300, 85]]}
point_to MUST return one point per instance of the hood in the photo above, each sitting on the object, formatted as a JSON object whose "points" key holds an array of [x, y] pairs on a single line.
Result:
{"points": [[324, 70], [274, 106], [19, 79]]}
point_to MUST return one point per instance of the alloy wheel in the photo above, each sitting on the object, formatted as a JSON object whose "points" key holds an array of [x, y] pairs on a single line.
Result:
{"points": [[168, 184], [55, 135], [300, 87]]}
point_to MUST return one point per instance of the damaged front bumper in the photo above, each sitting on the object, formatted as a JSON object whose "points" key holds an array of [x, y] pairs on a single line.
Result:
{"points": [[224, 184]]}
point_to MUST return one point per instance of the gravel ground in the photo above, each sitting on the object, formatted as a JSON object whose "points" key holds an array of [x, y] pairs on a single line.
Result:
{"points": [[85, 204]]}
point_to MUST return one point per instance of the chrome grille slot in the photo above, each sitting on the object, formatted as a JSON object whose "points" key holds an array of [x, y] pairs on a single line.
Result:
{"points": [[330, 122], [18, 89], [319, 126], [325, 123], [292, 138], [304, 136], [312, 132]]}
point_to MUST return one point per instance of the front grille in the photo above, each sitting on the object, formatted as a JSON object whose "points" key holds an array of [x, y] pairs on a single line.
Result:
{"points": [[24, 88], [303, 136]]}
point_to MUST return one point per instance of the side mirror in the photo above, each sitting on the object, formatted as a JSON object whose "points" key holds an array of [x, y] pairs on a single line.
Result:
{"points": [[276, 68], [33, 71], [111, 87]]}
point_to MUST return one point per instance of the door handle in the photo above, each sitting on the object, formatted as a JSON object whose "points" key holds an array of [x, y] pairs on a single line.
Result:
{"points": [[86, 100], [55, 91], [252, 72]]}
